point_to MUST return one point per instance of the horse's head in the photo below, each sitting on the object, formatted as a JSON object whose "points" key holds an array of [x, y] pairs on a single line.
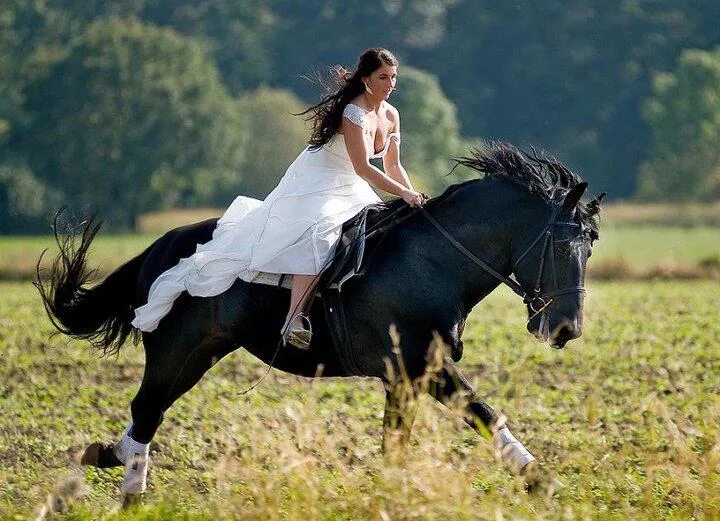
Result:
{"points": [[550, 265]]}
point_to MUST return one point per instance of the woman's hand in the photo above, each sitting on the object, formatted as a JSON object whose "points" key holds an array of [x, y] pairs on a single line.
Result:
{"points": [[413, 198]]}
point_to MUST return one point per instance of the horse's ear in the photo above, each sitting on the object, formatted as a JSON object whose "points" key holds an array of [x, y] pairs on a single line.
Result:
{"points": [[573, 196], [594, 205]]}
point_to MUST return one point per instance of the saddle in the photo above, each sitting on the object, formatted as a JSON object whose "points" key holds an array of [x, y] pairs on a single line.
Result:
{"points": [[360, 237], [360, 240]]}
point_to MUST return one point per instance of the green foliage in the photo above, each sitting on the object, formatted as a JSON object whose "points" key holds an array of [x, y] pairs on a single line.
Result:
{"points": [[274, 138], [23, 198], [429, 128], [566, 76], [317, 33], [238, 34], [684, 114], [21, 23], [569, 78], [131, 118]]}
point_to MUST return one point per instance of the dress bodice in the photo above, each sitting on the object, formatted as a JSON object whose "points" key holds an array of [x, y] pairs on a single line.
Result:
{"points": [[356, 115]]}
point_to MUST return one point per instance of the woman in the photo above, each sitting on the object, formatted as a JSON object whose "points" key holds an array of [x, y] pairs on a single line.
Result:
{"points": [[295, 229]]}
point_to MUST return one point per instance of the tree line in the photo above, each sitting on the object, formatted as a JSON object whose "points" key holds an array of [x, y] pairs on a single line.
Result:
{"points": [[138, 105]]}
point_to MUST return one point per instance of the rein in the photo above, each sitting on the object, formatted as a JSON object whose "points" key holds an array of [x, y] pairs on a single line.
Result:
{"points": [[535, 300]]}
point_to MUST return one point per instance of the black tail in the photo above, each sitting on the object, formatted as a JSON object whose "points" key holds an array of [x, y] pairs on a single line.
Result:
{"points": [[100, 314]]}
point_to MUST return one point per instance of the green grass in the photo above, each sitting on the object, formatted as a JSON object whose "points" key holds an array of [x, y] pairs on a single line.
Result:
{"points": [[644, 246], [19, 254], [626, 417]]}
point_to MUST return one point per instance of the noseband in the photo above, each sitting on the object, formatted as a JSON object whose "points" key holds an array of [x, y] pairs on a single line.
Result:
{"points": [[535, 300]]}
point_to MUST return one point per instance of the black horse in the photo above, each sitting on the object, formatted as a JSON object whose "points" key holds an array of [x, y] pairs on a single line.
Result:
{"points": [[524, 216]]}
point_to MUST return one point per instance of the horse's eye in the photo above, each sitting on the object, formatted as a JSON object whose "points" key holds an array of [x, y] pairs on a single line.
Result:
{"points": [[564, 247]]}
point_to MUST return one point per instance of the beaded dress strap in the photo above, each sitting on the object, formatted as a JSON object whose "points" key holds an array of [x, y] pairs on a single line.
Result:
{"points": [[355, 114]]}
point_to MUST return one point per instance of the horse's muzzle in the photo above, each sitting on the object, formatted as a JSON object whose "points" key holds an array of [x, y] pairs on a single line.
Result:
{"points": [[558, 335], [563, 333]]}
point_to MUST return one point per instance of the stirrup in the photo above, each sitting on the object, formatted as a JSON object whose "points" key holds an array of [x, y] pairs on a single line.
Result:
{"points": [[298, 336]]}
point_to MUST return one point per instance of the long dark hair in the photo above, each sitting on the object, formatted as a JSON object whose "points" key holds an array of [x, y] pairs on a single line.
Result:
{"points": [[326, 116]]}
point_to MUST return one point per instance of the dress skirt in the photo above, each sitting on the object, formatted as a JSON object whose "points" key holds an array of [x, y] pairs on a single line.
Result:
{"points": [[293, 231]]}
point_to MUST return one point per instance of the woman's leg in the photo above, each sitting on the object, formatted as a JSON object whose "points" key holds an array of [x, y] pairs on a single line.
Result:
{"points": [[303, 287]]}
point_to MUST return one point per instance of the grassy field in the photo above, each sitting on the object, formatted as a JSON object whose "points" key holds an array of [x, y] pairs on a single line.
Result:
{"points": [[19, 255], [653, 251], [627, 417], [648, 245]]}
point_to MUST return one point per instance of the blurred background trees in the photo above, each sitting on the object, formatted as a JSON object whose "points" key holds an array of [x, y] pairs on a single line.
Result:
{"points": [[140, 105], [130, 118], [684, 115], [274, 138], [429, 128]]}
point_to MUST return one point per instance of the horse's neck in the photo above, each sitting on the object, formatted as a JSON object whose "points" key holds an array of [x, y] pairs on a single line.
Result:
{"points": [[482, 220]]}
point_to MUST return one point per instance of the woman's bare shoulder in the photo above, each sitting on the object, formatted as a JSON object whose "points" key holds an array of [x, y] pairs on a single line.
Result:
{"points": [[357, 101], [391, 112], [393, 116]]}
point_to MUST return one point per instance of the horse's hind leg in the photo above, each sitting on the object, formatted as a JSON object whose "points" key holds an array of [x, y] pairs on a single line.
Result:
{"points": [[167, 377], [481, 417], [173, 366]]}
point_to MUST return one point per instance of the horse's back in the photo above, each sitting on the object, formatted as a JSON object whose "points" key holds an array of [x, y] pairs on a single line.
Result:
{"points": [[251, 314], [167, 251]]}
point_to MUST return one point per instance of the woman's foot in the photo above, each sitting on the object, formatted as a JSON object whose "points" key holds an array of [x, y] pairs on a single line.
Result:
{"points": [[298, 332]]}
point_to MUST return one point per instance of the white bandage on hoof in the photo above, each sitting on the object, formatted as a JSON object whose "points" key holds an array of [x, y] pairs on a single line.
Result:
{"points": [[135, 479], [513, 453], [135, 456], [126, 445]]}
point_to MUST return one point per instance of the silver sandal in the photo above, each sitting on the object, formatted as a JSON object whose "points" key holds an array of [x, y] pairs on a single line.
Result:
{"points": [[298, 336]]}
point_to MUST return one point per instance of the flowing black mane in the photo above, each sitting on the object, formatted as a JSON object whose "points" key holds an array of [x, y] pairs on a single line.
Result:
{"points": [[537, 173]]}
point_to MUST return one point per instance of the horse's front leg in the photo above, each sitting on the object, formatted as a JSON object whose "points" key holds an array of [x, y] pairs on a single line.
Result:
{"points": [[400, 411], [481, 417]]}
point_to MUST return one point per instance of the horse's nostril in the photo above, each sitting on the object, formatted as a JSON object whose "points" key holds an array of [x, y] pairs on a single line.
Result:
{"points": [[564, 333]]}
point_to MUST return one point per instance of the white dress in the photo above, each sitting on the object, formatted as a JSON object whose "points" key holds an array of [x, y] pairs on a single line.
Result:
{"points": [[293, 231]]}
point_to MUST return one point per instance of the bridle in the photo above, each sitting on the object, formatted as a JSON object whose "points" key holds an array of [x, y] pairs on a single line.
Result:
{"points": [[536, 301]]}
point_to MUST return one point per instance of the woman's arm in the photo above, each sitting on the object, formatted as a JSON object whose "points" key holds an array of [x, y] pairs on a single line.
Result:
{"points": [[393, 168], [391, 161], [357, 150]]}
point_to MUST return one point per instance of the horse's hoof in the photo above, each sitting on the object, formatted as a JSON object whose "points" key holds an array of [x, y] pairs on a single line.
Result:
{"points": [[531, 475], [132, 500], [101, 456], [538, 483]]}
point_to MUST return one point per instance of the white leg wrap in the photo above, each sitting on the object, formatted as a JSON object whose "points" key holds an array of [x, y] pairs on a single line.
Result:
{"points": [[135, 456], [126, 445], [513, 453]]}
